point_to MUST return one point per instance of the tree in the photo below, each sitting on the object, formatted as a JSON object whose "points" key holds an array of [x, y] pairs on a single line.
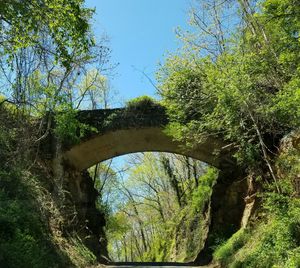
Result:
{"points": [[49, 41], [47, 49], [22, 24], [247, 94], [94, 89], [213, 23]]}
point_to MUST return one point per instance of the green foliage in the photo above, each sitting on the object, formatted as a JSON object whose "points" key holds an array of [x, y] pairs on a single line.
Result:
{"points": [[285, 105], [44, 48], [182, 238], [274, 243], [248, 91], [189, 226], [142, 103], [183, 88], [225, 251], [67, 126], [279, 239], [24, 240], [85, 255], [281, 19], [66, 23], [160, 249], [248, 95], [168, 209], [203, 192]]}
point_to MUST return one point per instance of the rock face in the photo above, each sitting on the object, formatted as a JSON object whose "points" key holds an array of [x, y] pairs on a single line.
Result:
{"points": [[74, 188], [90, 220], [234, 199], [289, 160], [227, 210]]}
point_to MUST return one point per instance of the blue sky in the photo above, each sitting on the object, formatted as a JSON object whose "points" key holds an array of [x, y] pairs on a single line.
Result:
{"points": [[141, 32]]}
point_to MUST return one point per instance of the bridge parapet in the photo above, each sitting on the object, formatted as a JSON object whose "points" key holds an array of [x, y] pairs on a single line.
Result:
{"points": [[104, 120]]}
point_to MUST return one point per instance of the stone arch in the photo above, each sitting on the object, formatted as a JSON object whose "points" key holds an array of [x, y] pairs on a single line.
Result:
{"points": [[114, 143]]}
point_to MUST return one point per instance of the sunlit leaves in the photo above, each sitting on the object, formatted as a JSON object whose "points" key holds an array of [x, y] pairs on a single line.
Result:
{"points": [[65, 22], [251, 88]]}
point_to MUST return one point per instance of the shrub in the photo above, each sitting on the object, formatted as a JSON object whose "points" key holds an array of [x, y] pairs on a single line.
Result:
{"points": [[142, 103]]}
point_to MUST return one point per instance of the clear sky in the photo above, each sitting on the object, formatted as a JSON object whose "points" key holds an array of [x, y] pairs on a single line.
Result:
{"points": [[141, 32]]}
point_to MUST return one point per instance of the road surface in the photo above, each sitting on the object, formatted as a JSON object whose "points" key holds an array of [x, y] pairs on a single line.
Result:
{"points": [[153, 265], [157, 265], [143, 266]]}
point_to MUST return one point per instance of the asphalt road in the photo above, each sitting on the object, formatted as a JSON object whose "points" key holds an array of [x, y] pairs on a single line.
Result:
{"points": [[155, 265], [152, 265]]}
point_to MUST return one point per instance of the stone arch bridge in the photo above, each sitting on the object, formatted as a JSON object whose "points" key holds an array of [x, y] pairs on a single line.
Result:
{"points": [[122, 131], [115, 132]]}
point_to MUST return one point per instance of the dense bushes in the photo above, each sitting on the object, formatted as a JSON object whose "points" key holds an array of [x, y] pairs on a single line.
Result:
{"points": [[31, 226], [225, 251], [143, 103], [24, 237]]}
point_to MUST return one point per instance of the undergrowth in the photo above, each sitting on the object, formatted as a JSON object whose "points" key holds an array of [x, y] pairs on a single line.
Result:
{"points": [[273, 237], [31, 221]]}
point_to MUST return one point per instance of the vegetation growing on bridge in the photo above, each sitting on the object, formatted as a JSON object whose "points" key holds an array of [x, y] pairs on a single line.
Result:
{"points": [[140, 112], [73, 126]]}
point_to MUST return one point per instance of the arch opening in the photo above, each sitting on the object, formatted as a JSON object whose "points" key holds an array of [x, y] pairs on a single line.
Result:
{"points": [[156, 204], [119, 141]]}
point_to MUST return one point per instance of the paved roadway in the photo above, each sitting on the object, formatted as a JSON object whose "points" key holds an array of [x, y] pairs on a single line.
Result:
{"points": [[152, 265], [156, 265]]}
